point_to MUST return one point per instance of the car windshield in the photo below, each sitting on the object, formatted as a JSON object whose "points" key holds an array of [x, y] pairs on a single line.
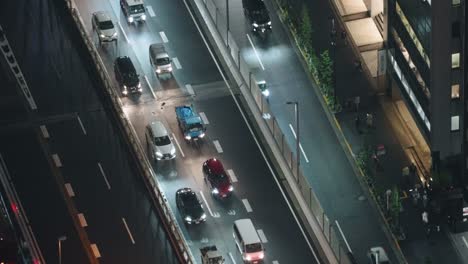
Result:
{"points": [[162, 61], [162, 141], [251, 248], [104, 25], [195, 127], [136, 9], [261, 16], [220, 178], [190, 200]]}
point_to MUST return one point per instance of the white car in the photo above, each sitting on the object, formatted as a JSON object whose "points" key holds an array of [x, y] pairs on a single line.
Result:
{"points": [[160, 145], [104, 27]]}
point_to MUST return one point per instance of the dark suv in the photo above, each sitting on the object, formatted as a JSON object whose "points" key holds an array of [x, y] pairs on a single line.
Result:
{"points": [[126, 75], [257, 13]]}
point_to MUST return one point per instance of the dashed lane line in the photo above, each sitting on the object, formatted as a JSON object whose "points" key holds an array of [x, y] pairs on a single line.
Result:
{"points": [[177, 63], [104, 175], [204, 118], [178, 145], [45, 132], [150, 87], [247, 206], [218, 146], [128, 230], [262, 236], [163, 37], [215, 214], [300, 145], [232, 175], [123, 33], [256, 53], [150, 11], [81, 124]]}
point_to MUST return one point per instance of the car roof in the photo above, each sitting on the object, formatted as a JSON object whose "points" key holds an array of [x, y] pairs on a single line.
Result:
{"points": [[215, 166], [102, 16], [134, 2], [255, 4], [158, 129], [247, 231], [125, 64], [186, 192]]}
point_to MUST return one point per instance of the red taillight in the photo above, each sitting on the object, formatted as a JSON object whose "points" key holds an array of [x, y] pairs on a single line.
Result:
{"points": [[14, 207]]}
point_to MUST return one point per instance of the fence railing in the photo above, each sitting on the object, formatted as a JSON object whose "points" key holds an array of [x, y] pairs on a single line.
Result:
{"points": [[172, 228], [329, 228]]}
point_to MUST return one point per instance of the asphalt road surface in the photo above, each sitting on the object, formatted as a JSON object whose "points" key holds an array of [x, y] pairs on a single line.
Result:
{"points": [[198, 81], [115, 210]]}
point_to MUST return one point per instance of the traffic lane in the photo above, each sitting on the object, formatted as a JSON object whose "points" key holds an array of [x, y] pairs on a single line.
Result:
{"points": [[256, 183], [66, 79], [119, 213], [41, 200], [186, 42], [185, 171]]}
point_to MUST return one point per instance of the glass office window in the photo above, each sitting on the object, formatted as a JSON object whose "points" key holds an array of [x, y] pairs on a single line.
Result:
{"points": [[455, 123], [455, 91], [455, 60]]}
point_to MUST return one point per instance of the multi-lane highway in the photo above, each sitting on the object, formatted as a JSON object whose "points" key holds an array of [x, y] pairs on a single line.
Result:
{"points": [[106, 204], [323, 160], [197, 80]]}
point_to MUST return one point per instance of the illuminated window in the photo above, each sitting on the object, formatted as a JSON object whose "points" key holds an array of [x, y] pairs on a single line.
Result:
{"points": [[455, 60], [456, 2], [455, 123], [455, 91]]}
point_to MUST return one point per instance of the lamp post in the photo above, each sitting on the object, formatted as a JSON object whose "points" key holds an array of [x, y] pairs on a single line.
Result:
{"points": [[227, 23], [59, 240], [296, 113]]}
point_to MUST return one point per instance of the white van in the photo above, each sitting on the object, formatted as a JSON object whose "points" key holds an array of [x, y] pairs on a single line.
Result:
{"points": [[247, 241]]}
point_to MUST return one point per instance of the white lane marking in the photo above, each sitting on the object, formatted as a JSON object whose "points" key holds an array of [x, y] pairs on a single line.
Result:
{"points": [[232, 258], [95, 250], [57, 161], [207, 206], [82, 219], [218, 146], [232, 175], [342, 234], [123, 32], [231, 212], [81, 124], [464, 241], [149, 86], [189, 89], [203, 117], [275, 262], [195, 22], [44, 131], [104, 175], [256, 53], [69, 189], [163, 37], [151, 11], [177, 63], [178, 145], [300, 145], [128, 230], [247, 205], [262, 236]]}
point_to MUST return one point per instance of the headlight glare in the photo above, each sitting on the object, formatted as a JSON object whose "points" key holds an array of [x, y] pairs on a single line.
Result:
{"points": [[231, 188], [215, 191], [143, 17], [255, 24], [130, 19], [188, 137]]}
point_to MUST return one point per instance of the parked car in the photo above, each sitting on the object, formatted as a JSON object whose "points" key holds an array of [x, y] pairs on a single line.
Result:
{"points": [[104, 27], [219, 181], [258, 15], [159, 143], [190, 206], [126, 76]]}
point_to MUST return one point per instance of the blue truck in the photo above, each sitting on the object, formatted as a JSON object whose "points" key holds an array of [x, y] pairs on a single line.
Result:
{"points": [[190, 122]]}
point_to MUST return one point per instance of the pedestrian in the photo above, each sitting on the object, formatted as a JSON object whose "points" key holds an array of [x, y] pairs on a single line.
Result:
{"points": [[357, 122], [357, 101], [344, 38], [369, 120], [425, 219]]}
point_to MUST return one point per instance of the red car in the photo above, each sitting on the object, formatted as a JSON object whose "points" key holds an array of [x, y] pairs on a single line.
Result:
{"points": [[219, 181]]}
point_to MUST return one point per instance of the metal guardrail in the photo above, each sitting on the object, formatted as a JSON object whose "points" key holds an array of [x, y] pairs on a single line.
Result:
{"points": [[173, 230]]}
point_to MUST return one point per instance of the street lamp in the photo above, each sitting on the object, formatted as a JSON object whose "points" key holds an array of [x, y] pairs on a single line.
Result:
{"points": [[59, 240], [296, 112], [333, 43]]}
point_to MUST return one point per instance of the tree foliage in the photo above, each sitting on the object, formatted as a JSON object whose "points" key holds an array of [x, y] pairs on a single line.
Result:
{"points": [[306, 30]]}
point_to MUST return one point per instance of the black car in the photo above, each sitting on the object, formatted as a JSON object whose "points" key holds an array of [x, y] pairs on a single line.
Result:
{"points": [[257, 13], [126, 75], [189, 206]]}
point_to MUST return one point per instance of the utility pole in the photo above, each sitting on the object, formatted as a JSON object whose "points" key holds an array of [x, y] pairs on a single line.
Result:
{"points": [[333, 50], [298, 153]]}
